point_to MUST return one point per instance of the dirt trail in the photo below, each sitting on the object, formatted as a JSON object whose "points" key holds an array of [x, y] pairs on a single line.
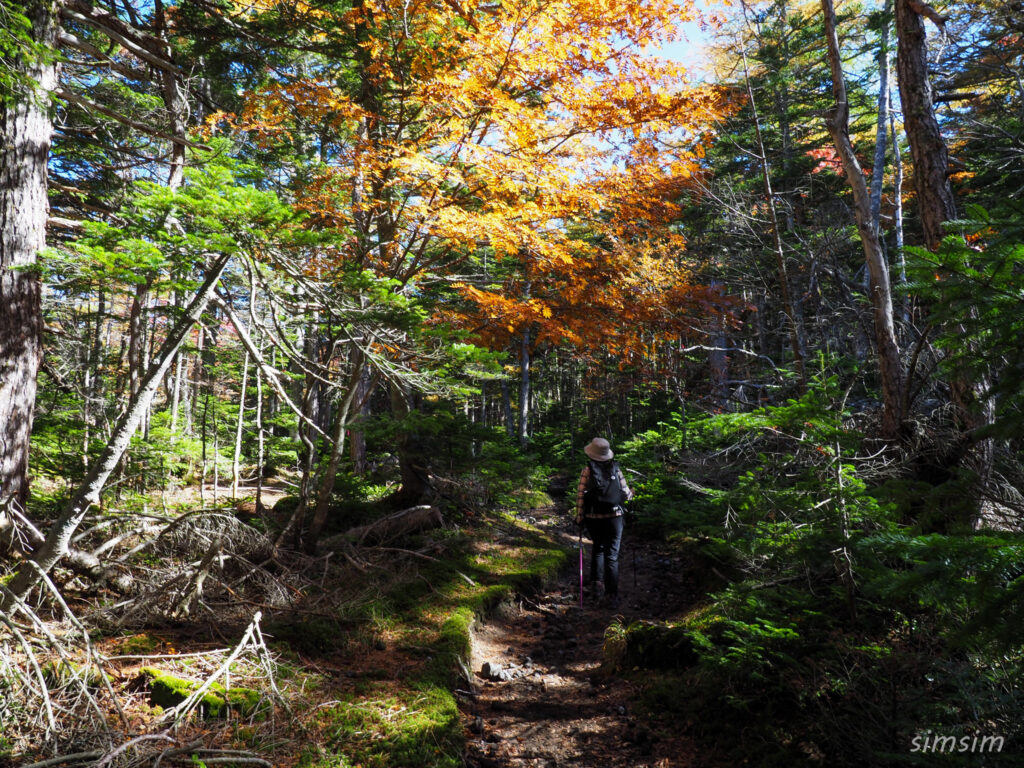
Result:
{"points": [[547, 702]]}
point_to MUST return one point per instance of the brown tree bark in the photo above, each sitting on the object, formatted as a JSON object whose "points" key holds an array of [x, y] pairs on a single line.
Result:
{"points": [[341, 420], [25, 131], [928, 152], [357, 438], [881, 125], [523, 423], [838, 122], [937, 205]]}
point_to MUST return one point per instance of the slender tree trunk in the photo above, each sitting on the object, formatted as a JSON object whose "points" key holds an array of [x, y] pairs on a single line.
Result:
{"points": [[882, 125], [176, 393], [88, 493], [837, 121], [780, 253], [197, 375], [524, 390], [174, 103], [259, 439], [357, 439], [897, 193], [95, 391], [202, 437], [25, 131], [326, 489], [216, 448], [236, 457], [718, 360], [137, 336], [506, 404]]}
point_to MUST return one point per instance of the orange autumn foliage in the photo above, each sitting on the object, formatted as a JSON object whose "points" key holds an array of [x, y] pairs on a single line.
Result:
{"points": [[535, 133]]}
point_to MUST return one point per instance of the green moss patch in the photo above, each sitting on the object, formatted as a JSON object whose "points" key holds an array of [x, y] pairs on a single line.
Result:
{"points": [[139, 644], [423, 617], [168, 690]]}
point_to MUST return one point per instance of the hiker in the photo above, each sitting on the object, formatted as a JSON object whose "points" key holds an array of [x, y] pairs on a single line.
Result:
{"points": [[599, 508]]}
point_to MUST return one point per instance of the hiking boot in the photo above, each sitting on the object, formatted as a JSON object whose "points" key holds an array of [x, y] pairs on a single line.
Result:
{"points": [[597, 590], [610, 601]]}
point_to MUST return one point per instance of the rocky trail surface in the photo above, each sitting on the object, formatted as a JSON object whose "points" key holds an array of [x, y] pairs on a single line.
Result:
{"points": [[542, 695]]}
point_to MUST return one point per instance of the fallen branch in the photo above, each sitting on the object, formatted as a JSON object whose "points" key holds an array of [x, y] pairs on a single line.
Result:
{"points": [[131, 743], [90, 650], [43, 691], [182, 709], [412, 520], [77, 757]]}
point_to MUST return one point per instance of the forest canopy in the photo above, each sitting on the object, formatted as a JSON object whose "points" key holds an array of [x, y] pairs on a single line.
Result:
{"points": [[345, 286]]}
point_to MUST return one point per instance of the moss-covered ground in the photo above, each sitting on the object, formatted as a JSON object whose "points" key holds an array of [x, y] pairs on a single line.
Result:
{"points": [[401, 651]]}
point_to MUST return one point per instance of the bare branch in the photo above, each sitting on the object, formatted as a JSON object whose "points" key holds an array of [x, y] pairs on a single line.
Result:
{"points": [[135, 41], [147, 129], [923, 9]]}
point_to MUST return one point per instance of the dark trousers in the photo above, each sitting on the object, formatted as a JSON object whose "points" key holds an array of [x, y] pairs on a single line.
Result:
{"points": [[606, 533]]}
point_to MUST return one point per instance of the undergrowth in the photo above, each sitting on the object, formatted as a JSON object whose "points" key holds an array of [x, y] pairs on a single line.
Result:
{"points": [[838, 627]]}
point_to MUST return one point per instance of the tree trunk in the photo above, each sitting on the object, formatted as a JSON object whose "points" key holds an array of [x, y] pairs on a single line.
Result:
{"points": [[718, 361], [936, 202], [137, 336], [881, 127], [897, 194], [411, 461], [524, 390], [837, 121], [88, 493], [357, 439], [176, 393], [237, 456], [506, 406], [326, 489], [174, 103], [928, 152], [25, 130], [260, 447], [198, 373]]}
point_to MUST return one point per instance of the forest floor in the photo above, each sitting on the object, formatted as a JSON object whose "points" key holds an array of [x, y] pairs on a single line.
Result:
{"points": [[544, 693], [366, 658]]}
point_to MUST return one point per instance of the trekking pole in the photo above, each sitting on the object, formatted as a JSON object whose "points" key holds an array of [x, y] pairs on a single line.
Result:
{"points": [[633, 549], [580, 547]]}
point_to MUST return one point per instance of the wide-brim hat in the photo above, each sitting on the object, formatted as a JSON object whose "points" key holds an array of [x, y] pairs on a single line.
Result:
{"points": [[599, 449]]}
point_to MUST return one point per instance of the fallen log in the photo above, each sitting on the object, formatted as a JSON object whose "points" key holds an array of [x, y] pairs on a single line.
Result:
{"points": [[394, 526]]}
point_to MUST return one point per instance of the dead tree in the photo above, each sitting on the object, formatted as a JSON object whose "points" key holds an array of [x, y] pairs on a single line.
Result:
{"points": [[59, 537]]}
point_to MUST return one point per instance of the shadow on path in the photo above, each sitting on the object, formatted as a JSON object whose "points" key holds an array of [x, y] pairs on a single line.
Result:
{"points": [[541, 697]]}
